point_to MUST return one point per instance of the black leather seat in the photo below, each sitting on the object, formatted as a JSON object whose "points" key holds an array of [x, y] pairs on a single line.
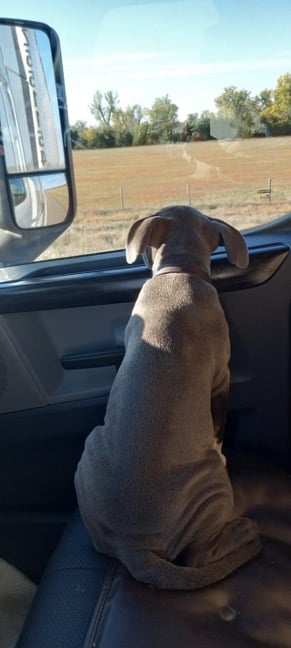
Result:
{"points": [[86, 599], [64, 604]]}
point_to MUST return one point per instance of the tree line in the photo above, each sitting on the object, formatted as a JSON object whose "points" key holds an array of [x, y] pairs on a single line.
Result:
{"points": [[238, 115]]}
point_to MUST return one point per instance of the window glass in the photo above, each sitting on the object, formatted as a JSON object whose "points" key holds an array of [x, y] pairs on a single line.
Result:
{"points": [[183, 101]]}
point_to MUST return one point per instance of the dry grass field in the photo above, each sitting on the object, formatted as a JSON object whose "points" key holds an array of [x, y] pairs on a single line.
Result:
{"points": [[221, 178]]}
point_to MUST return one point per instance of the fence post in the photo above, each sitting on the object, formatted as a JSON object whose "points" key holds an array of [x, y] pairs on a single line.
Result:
{"points": [[121, 197], [267, 192], [189, 193]]}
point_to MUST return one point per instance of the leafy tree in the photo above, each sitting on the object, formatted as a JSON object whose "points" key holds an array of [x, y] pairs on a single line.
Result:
{"points": [[104, 107], [240, 110], [197, 127], [127, 125], [264, 99], [232, 102], [239, 115], [83, 136], [163, 120], [78, 134], [91, 137], [190, 127], [204, 125], [142, 136], [277, 115]]}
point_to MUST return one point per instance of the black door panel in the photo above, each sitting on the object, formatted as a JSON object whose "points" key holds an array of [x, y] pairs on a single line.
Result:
{"points": [[75, 284], [34, 345]]}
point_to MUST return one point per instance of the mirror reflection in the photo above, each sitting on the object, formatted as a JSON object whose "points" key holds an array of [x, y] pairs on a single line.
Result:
{"points": [[39, 200], [28, 103]]}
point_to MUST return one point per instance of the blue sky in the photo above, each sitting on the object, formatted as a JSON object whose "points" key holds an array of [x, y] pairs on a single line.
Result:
{"points": [[190, 49]]}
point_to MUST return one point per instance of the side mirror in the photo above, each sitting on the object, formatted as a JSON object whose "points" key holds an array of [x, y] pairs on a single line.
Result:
{"points": [[36, 173]]}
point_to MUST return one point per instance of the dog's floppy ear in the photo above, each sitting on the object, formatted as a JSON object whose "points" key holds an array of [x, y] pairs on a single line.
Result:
{"points": [[146, 231], [235, 245], [138, 238]]}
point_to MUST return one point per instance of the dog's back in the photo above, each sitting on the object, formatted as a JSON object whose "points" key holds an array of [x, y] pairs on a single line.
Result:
{"points": [[151, 471]]}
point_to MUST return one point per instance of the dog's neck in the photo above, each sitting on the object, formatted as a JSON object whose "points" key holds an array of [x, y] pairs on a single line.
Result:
{"points": [[197, 272]]}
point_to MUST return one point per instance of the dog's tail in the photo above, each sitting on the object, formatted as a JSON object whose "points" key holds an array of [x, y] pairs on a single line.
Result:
{"points": [[163, 574]]}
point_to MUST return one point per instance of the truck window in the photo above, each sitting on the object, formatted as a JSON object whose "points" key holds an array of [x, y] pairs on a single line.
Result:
{"points": [[168, 105]]}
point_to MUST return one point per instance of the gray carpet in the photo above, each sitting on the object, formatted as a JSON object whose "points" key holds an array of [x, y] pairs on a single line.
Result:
{"points": [[16, 594]]}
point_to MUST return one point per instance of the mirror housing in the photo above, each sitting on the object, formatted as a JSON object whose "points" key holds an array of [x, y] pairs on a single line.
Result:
{"points": [[37, 189]]}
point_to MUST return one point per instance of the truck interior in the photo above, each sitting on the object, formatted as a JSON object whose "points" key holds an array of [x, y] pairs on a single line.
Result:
{"points": [[62, 322]]}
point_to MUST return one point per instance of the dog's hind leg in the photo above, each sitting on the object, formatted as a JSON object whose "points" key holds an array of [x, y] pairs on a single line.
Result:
{"points": [[219, 406], [238, 544], [235, 535]]}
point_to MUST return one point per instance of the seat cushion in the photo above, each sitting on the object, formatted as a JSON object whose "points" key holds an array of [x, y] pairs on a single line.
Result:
{"points": [[66, 598], [87, 599]]}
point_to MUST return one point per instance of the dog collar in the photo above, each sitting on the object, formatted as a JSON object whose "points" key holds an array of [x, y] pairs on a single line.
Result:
{"points": [[202, 274]]}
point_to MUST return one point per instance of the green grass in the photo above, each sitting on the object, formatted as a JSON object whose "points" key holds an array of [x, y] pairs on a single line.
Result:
{"points": [[220, 178]]}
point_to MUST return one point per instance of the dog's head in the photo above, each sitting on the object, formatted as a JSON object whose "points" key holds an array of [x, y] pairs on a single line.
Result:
{"points": [[176, 235]]}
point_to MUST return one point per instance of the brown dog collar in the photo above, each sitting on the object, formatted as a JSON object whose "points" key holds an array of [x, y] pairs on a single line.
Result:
{"points": [[202, 274]]}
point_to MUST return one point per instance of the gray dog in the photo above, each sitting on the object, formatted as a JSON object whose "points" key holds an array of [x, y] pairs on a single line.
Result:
{"points": [[152, 487]]}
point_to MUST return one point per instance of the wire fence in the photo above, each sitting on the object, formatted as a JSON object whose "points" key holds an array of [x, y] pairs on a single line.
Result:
{"points": [[124, 197]]}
